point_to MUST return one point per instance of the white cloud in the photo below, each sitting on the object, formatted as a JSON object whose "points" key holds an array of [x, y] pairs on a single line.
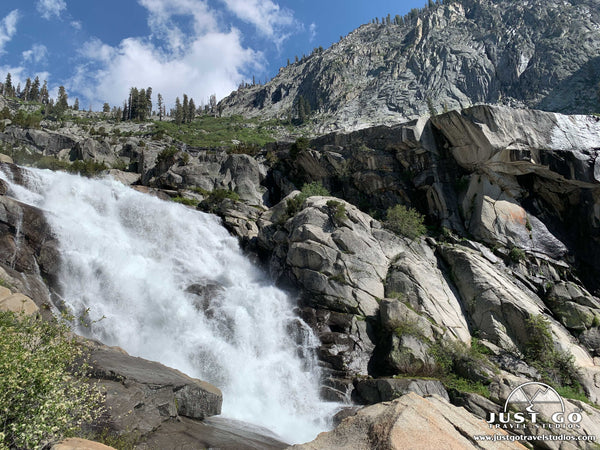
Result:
{"points": [[95, 49], [268, 18], [312, 32], [212, 63], [163, 12], [50, 8], [8, 28], [36, 54], [187, 51], [76, 24]]}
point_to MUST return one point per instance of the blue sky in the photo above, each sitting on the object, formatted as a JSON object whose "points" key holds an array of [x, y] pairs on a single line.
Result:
{"points": [[98, 49]]}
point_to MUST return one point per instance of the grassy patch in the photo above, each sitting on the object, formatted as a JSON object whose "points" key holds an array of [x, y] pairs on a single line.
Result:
{"points": [[208, 131]]}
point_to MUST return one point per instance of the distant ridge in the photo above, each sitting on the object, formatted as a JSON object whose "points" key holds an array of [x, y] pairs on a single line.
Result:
{"points": [[537, 54]]}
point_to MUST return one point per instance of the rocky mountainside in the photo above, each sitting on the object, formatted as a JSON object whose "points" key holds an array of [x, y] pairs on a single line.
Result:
{"points": [[538, 54], [501, 290]]}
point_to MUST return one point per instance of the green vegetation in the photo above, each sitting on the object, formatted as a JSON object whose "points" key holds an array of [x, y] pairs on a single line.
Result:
{"points": [[410, 328], [294, 205], [212, 132], [516, 254], [300, 145], [185, 201], [214, 198], [127, 441], [339, 210], [44, 389], [462, 367], [405, 222], [556, 367], [338, 278], [167, 154]]}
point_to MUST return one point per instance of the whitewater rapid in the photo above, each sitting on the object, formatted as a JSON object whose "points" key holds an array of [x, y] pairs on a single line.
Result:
{"points": [[169, 284]]}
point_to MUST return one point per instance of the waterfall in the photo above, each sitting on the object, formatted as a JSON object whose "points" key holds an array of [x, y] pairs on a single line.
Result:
{"points": [[169, 284]]}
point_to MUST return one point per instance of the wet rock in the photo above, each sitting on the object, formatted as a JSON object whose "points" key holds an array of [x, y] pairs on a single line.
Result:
{"points": [[142, 394]]}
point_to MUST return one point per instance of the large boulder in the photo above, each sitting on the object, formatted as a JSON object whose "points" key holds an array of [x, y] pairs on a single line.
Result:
{"points": [[240, 173], [410, 421], [142, 394], [17, 302], [341, 262], [80, 444]]}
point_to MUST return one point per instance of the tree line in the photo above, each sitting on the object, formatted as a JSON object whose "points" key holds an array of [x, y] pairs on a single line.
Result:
{"points": [[137, 107]]}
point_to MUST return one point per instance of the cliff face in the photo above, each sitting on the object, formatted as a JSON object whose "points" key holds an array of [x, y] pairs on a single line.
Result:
{"points": [[513, 202], [543, 55]]}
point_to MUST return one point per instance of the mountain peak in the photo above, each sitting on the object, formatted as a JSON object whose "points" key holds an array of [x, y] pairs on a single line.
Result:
{"points": [[542, 55]]}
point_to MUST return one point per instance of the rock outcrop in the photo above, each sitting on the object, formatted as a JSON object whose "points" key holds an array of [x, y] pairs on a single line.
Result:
{"points": [[498, 187], [410, 421], [142, 394]]}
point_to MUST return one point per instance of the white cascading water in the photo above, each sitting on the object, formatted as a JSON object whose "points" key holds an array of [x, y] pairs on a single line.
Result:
{"points": [[171, 285]]}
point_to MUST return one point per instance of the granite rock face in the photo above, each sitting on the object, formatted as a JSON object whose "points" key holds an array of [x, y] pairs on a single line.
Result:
{"points": [[537, 54], [410, 421]]}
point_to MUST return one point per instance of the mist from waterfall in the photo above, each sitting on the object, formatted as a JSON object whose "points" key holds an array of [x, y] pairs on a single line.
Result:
{"points": [[169, 284]]}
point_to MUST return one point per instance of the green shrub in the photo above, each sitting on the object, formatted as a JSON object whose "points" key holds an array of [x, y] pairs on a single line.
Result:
{"points": [[218, 195], [294, 205], [516, 254], [462, 367], [405, 222], [215, 197], [52, 163], [167, 154], [185, 201], [300, 145], [556, 367], [314, 189], [339, 210], [44, 389], [87, 168]]}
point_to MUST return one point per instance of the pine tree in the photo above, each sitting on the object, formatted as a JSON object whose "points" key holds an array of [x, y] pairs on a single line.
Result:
{"points": [[160, 107], [141, 105], [212, 101], [27, 90], [178, 112], [61, 101], [125, 115], [106, 108], [44, 96], [8, 87], [191, 110], [34, 93], [76, 104], [149, 102], [184, 109]]}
